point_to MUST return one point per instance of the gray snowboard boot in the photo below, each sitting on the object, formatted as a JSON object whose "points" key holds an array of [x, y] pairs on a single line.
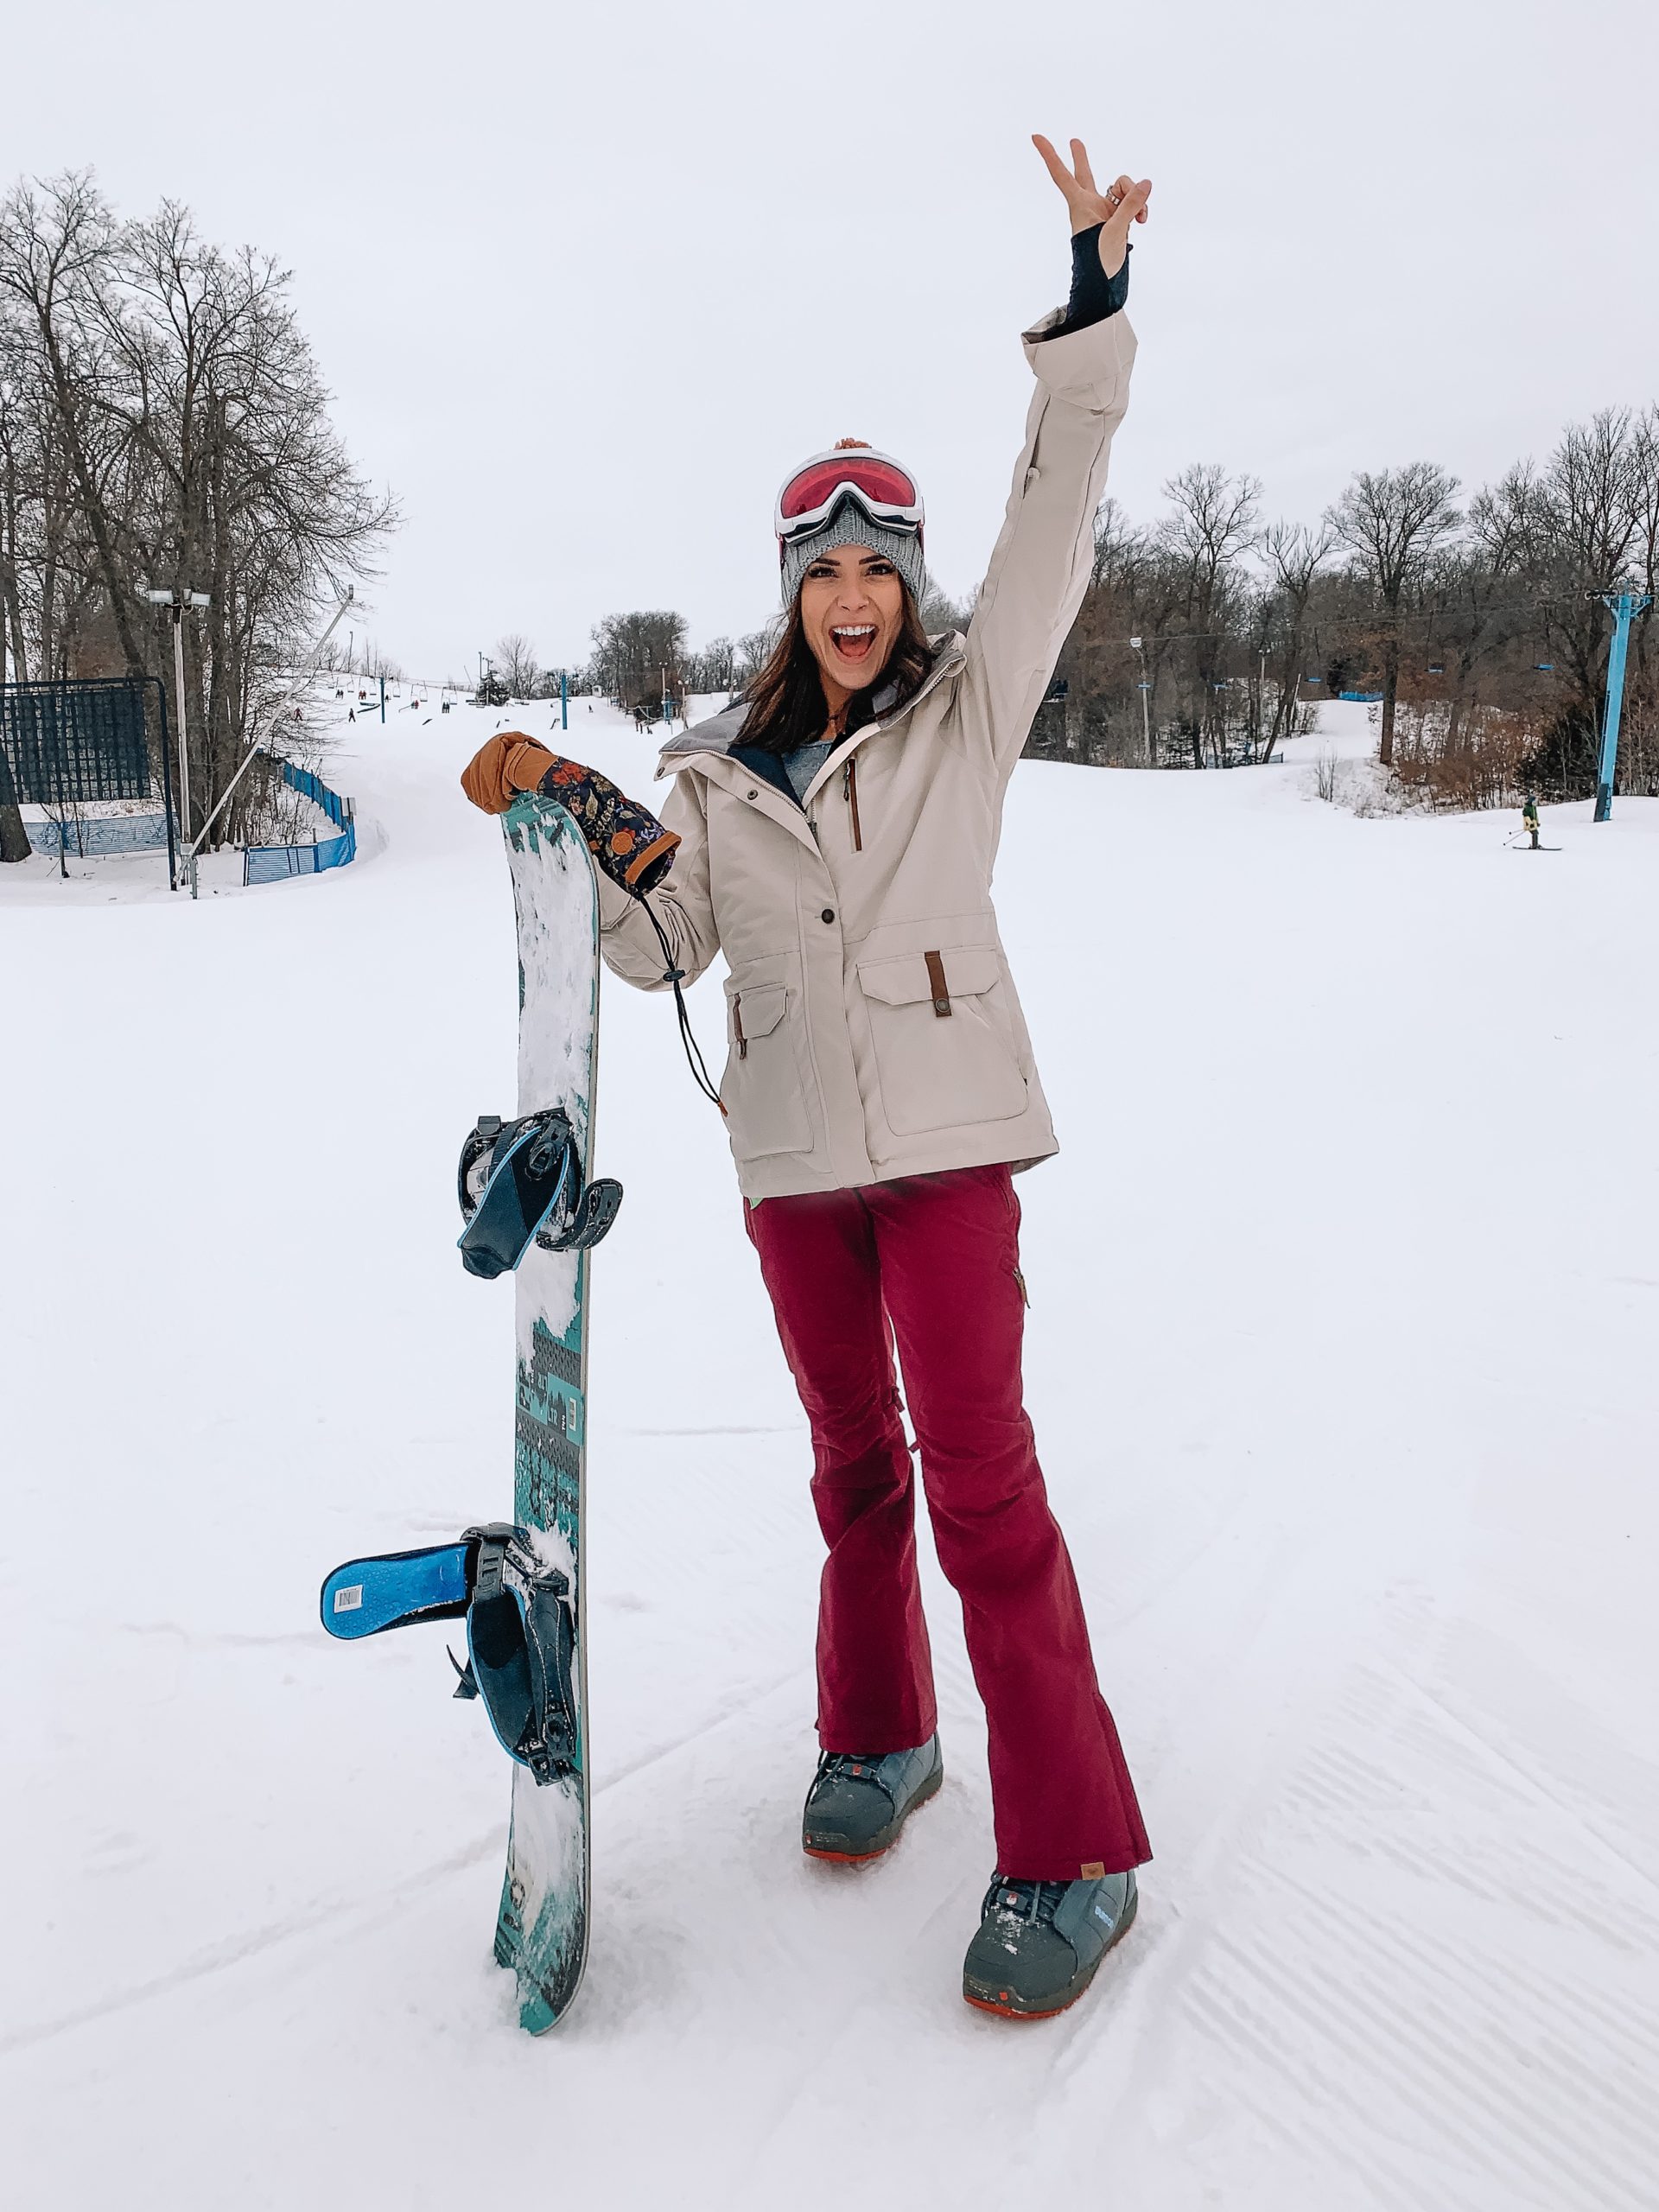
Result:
{"points": [[1039, 1943], [857, 1805]]}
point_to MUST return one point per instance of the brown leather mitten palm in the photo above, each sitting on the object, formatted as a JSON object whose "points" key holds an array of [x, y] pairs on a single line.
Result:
{"points": [[503, 765]]}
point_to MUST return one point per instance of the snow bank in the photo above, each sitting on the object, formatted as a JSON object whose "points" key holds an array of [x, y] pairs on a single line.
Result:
{"points": [[1344, 1292]]}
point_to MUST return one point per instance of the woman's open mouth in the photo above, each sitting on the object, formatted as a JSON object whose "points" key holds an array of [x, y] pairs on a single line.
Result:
{"points": [[852, 640]]}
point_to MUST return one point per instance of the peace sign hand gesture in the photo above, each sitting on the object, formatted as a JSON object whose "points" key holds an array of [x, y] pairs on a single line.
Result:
{"points": [[1114, 209]]}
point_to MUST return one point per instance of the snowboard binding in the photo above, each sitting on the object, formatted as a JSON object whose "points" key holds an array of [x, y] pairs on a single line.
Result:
{"points": [[521, 1632], [521, 1183]]}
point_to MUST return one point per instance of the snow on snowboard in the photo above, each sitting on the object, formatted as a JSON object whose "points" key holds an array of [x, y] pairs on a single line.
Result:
{"points": [[530, 1206]]}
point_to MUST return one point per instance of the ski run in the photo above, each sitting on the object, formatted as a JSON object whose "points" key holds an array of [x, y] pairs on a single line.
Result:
{"points": [[1346, 1288]]}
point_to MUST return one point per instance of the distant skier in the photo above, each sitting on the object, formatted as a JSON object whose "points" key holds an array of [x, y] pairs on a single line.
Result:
{"points": [[832, 833]]}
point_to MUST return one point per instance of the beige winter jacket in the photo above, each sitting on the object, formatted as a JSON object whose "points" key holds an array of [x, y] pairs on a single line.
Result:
{"points": [[873, 1029]]}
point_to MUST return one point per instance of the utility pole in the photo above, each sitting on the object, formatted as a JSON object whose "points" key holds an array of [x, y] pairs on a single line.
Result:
{"points": [[178, 600], [1624, 605], [1146, 711]]}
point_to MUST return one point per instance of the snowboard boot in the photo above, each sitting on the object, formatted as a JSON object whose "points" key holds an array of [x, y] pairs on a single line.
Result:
{"points": [[1040, 1943], [857, 1805]]}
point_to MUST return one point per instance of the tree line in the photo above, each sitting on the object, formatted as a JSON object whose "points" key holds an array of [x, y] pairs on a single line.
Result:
{"points": [[1206, 636], [164, 426], [1478, 623], [639, 655]]}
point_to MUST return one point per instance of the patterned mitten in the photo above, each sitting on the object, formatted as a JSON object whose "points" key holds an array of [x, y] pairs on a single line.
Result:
{"points": [[629, 844]]}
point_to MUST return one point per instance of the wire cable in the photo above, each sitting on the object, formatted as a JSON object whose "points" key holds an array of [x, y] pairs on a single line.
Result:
{"points": [[673, 976]]}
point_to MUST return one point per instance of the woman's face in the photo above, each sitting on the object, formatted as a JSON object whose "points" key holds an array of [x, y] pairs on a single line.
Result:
{"points": [[852, 611]]}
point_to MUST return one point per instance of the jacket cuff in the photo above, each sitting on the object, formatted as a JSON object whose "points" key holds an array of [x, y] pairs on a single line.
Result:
{"points": [[1089, 367], [616, 907], [1094, 294]]}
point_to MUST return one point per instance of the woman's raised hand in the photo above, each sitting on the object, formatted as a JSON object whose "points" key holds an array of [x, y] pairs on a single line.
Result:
{"points": [[1120, 204]]}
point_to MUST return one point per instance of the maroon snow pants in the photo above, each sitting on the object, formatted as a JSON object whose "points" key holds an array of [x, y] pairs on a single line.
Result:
{"points": [[933, 1262]]}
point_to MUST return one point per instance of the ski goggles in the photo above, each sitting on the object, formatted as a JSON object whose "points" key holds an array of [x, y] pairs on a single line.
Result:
{"points": [[888, 494]]}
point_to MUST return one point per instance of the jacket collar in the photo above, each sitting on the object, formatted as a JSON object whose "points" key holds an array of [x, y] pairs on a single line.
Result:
{"points": [[951, 658]]}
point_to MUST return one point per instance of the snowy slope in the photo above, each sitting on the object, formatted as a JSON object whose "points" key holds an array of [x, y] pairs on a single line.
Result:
{"points": [[1345, 1290]]}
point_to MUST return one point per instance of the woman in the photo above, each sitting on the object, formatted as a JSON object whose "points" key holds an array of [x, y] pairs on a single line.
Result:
{"points": [[832, 834]]}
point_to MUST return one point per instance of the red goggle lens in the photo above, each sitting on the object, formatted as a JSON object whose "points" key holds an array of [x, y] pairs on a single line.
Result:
{"points": [[879, 480]]}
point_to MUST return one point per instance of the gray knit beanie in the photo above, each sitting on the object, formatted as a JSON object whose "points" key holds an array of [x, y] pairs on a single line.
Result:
{"points": [[849, 525]]}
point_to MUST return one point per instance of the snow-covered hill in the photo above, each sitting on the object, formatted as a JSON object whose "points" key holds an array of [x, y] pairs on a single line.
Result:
{"points": [[1345, 1290]]}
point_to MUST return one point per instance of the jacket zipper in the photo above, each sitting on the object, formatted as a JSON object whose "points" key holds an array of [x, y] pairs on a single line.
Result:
{"points": [[849, 793]]}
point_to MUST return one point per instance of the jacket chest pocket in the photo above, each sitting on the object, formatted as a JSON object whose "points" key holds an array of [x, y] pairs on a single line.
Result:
{"points": [[761, 1089], [942, 1055]]}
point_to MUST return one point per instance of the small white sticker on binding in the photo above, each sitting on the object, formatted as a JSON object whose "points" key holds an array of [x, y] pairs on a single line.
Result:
{"points": [[349, 1598]]}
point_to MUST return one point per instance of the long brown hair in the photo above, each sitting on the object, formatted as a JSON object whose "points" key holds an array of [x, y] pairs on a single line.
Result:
{"points": [[786, 702]]}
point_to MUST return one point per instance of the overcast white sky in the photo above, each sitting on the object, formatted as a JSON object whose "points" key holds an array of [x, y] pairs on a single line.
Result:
{"points": [[588, 280]]}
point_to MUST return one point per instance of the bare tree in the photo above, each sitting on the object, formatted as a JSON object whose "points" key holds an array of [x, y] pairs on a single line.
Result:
{"points": [[168, 428], [1214, 525], [631, 651], [754, 650], [1119, 545], [1392, 523], [58, 253], [516, 666], [940, 614], [1296, 557]]}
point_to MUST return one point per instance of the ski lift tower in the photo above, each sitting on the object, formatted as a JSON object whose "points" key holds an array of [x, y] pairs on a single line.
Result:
{"points": [[1624, 603]]}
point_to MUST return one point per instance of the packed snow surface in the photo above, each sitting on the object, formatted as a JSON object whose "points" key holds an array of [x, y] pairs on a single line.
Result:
{"points": [[1344, 1292]]}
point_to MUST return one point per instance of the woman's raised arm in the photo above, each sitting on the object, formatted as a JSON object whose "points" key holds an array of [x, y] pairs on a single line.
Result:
{"points": [[1041, 564]]}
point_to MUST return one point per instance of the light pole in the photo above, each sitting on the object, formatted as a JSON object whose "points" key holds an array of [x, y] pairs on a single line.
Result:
{"points": [[178, 600], [665, 669], [1146, 712], [1624, 605]]}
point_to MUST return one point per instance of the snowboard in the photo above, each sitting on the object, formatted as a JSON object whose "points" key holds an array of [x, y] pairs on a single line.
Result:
{"points": [[541, 1932]]}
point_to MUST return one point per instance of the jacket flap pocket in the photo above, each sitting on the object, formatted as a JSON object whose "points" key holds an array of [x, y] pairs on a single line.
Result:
{"points": [[969, 970], [758, 1009]]}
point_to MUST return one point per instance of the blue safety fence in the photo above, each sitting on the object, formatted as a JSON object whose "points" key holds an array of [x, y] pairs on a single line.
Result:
{"points": [[1361, 699], [270, 863]]}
